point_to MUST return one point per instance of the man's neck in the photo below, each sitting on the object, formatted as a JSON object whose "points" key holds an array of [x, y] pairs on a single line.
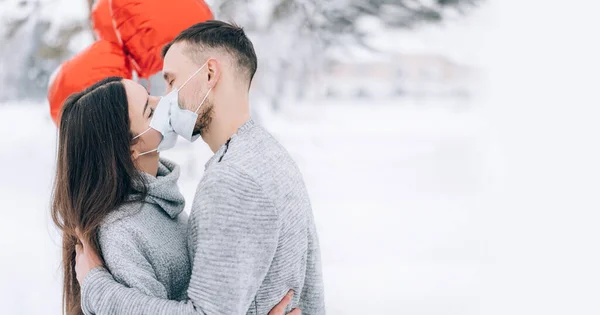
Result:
{"points": [[218, 133], [231, 117]]}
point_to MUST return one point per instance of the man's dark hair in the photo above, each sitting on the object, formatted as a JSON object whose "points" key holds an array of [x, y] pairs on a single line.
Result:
{"points": [[218, 34]]}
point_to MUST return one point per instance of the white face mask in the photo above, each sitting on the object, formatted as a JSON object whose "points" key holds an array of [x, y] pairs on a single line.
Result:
{"points": [[183, 121], [160, 122]]}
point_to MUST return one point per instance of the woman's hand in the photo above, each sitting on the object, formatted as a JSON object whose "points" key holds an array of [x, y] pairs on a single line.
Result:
{"points": [[85, 259], [279, 309]]}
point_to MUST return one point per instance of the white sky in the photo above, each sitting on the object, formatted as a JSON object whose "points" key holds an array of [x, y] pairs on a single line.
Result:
{"points": [[461, 39], [542, 105]]}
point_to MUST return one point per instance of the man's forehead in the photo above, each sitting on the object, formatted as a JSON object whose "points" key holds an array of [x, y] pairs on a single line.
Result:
{"points": [[175, 59]]}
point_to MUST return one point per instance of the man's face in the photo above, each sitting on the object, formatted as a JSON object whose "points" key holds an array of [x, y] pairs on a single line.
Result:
{"points": [[178, 67]]}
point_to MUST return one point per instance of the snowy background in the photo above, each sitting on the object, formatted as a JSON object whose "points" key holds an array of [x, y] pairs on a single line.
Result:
{"points": [[425, 205], [396, 206]]}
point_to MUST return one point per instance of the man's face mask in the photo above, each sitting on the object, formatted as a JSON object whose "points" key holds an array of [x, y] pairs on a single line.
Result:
{"points": [[183, 121], [160, 122]]}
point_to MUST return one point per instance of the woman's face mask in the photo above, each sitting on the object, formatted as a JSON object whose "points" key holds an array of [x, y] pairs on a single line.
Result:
{"points": [[161, 123]]}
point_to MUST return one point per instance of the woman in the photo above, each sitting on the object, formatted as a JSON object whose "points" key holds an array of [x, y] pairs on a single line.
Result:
{"points": [[112, 189]]}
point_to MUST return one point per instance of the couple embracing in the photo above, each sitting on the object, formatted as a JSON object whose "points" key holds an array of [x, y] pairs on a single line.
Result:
{"points": [[249, 245]]}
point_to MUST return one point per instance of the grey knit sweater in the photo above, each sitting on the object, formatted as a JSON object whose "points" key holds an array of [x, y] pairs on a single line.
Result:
{"points": [[144, 243], [251, 238]]}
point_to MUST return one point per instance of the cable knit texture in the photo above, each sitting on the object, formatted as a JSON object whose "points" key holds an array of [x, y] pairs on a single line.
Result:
{"points": [[251, 238], [144, 243]]}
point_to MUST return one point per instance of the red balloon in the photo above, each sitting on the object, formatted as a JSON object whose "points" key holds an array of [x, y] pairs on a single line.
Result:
{"points": [[100, 60], [145, 26], [103, 22]]}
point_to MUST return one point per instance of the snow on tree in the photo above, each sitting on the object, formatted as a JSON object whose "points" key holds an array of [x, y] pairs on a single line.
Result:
{"points": [[291, 37], [36, 36]]}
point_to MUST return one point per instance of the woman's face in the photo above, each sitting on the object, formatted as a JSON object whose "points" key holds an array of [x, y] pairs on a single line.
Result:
{"points": [[141, 108]]}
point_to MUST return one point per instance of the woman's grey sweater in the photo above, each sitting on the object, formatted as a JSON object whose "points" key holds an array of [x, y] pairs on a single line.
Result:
{"points": [[144, 243]]}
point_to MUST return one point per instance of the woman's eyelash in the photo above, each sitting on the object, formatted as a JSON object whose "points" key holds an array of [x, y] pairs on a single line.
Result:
{"points": [[151, 112]]}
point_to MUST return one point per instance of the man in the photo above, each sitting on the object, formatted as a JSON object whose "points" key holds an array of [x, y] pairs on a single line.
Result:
{"points": [[251, 231]]}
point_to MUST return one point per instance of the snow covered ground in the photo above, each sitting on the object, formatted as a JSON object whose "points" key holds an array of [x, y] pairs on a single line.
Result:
{"points": [[395, 189], [419, 211]]}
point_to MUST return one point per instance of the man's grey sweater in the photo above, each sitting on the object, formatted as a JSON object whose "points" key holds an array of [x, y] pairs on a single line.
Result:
{"points": [[251, 238]]}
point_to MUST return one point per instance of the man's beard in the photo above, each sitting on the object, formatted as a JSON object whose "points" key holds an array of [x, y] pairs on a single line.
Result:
{"points": [[204, 118]]}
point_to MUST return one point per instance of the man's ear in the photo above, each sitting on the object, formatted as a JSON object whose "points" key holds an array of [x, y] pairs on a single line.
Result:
{"points": [[214, 71]]}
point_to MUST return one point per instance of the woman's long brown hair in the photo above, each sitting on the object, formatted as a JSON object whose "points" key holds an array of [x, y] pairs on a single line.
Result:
{"points": [[94, 172]]}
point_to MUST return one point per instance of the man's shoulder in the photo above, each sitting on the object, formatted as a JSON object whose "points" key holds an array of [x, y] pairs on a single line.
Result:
{"points": [[224, 173], [226, 181], [253, 161], [226, 191], [257, 151]]}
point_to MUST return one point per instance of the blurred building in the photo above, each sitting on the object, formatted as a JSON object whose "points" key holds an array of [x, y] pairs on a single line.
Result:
{"points": [[398, 75]]}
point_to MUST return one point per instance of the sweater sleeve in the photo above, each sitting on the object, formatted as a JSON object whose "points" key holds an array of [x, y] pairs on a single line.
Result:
{"points": [[236, 229]]}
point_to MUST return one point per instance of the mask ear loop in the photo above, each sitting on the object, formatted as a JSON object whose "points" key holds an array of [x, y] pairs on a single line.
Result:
{"points": [[193, 75], [204, 99], [148, 152], [141, 134]]}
